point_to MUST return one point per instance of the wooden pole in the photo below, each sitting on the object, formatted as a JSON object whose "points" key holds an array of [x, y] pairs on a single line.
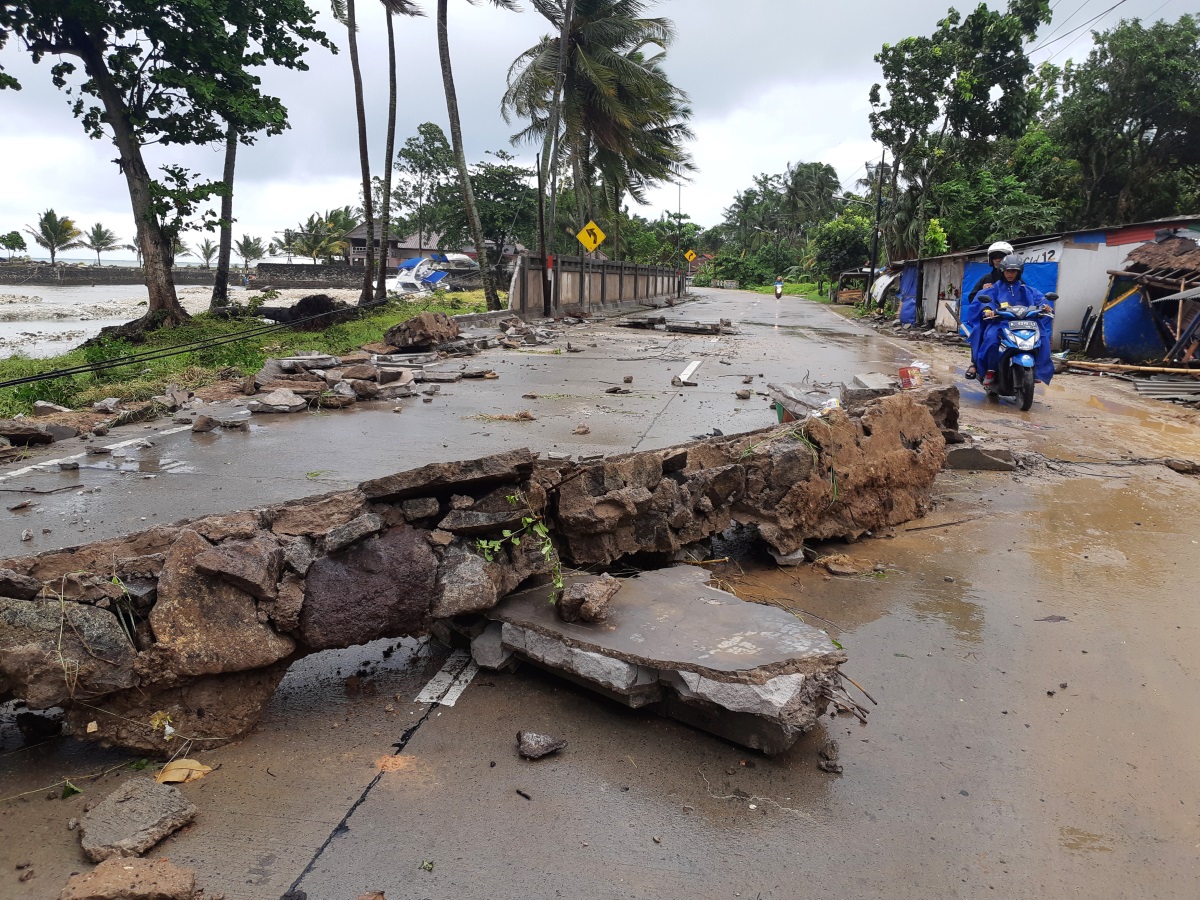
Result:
{"points": [[1121, 367]]}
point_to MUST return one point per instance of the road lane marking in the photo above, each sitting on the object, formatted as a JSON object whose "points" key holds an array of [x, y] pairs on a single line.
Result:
{"points": [[448, 684]]}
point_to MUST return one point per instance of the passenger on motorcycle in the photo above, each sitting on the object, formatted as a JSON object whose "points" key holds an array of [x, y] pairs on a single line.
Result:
{"points": [[985, 335], [996, 254]]}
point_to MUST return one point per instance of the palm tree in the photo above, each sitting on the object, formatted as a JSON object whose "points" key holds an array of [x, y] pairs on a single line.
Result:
{"points": [[399, 8], [621, 116], [344, 12], [460, 156], [100, 240], [206, 250], [55, 234], [250, 249], [178, 249]]}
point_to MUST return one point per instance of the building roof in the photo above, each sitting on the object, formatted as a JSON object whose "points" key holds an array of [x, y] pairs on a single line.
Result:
{"points": [[1170, 255]]}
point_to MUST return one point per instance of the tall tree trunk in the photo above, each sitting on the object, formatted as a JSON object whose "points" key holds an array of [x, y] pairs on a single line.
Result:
{"points": [[164, 309], [385, 214], [460, 156], [220, 293], [363, 157]]}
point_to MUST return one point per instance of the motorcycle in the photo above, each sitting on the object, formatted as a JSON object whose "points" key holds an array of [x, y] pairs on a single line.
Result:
{"points": [[778, 290], [1020, 338]]}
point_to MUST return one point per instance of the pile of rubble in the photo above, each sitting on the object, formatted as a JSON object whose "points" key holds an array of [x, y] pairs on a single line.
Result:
{"points": [[201, 619]]}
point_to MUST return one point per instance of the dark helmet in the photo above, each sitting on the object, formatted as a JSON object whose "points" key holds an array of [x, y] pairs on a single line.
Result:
{"points": [[1013, 261]]}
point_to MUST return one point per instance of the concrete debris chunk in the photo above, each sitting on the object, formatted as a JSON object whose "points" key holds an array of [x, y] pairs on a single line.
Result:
{"points": [[107, 405], [132, 879], [753, 674], [532, 745], [44, 408], [343, 536], [24, 433], [982, 459], [18, 586], [133, 818], [422, 332], [204, 424], [280, 401], [587, 599]]}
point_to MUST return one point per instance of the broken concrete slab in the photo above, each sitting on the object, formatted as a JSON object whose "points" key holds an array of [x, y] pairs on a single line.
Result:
{"points": [[356, 529], [422, 332], [17, 586], [23, 433], [132, 879], [133, 818], [982, 459], [44, 408], [279, 401], [511, 467], [668, 631]]}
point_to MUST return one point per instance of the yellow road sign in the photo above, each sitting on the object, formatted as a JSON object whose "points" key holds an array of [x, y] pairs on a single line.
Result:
{"points": [[591, 237], [690, 256]]}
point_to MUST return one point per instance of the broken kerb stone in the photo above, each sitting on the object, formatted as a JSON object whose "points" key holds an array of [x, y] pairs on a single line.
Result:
{"points": [[983, 459], [752, 674], [343, 536], [280, 401], [133, 818], [532, 745], [513, 466]]}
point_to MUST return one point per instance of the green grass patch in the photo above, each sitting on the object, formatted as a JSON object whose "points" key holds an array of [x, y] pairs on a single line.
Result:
{"points": [[806, 290], [191, 370]]}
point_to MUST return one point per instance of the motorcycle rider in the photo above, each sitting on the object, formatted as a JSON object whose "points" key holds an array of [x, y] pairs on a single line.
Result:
{"points": [[996, 253], [1011, 290], [778, 286]]}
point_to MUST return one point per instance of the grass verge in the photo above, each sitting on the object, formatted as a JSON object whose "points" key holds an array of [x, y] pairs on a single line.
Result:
{"points": [[806, 290], [141, 381]]}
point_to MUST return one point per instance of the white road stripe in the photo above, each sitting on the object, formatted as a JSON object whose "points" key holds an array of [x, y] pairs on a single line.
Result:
{"points": [[687, 373], [37, 467], [448, 684]]}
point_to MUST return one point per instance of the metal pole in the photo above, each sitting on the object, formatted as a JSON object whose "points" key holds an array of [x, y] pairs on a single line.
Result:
{"points": [[875, 232], [546, 311]]}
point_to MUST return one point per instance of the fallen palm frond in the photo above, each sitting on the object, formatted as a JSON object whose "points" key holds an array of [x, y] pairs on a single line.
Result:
{"points": [[522, 416]]}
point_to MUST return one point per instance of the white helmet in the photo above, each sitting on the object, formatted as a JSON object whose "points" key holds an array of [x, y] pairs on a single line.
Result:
{"points": [[1000, 247]]}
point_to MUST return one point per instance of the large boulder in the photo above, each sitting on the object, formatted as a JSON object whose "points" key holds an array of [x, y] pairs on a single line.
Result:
{"points": [[422, 332], [23, 433], [52, 652], [380, 587], [205, 626]]}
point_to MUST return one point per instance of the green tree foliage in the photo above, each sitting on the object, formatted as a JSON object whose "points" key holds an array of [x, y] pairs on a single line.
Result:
{"points": [[165, 72], [100, 240], [425, 165], [322, 235], [13, 243], [507, 204], [55, 233], [840, 244], [1130, 115], [206, 250], [250, 249]]}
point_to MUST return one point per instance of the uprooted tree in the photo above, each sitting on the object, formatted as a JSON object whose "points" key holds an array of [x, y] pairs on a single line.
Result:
{"points": [[163, 72]]}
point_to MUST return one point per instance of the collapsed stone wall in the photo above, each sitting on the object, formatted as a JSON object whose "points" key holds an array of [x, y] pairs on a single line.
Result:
{"points": [[200, 620]]}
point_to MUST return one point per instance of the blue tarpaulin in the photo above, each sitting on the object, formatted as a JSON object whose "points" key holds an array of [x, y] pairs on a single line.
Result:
{"points": [[434, 277], [1039, 276], [409, 263], [908, 295]]}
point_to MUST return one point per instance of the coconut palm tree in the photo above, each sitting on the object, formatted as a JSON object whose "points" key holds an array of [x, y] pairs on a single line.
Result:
{"points": [[344, 11], [206, 250], [460, 156], [621, 117], [55, 234], [250, 249], [100, 240], [391, 8]]}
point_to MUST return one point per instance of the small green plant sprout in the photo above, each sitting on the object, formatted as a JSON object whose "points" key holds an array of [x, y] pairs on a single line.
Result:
{"points": [[427, 865], [532, 528], [69, 790]]}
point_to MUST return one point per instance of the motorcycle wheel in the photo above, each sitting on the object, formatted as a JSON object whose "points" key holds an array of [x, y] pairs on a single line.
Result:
{"points": [[1024, 387]]}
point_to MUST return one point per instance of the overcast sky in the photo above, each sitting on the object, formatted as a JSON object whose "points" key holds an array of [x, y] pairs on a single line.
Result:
{"points": [[770, 81]]}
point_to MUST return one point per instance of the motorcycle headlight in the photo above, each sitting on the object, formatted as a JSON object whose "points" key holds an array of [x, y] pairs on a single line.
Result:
{"points": [[1025, 343]]}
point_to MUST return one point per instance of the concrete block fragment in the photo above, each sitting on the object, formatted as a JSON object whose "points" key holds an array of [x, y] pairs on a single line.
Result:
{"points": [[986, 459], [487, 649]]}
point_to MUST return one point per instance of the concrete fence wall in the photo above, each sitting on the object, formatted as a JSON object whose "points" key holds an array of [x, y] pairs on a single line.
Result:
{"points": [[299, 275], [74, 276], [587, 285]]}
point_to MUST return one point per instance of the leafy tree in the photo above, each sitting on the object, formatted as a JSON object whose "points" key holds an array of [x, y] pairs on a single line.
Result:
{"points": [[206, 250], [948, 97], [507, 207], [460, 156], [426, 167], [13, 243], [322, 235], [1130, 114], [100, 240], [840, 244], [54, 234], [169, 72], [250, 249]]}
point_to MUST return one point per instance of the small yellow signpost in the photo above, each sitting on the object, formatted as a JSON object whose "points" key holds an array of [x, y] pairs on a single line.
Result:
{"points": [[690, 256], [591, 237]]}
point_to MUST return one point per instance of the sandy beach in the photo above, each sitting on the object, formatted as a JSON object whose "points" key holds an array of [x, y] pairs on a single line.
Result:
{"points": [[39, 320]]}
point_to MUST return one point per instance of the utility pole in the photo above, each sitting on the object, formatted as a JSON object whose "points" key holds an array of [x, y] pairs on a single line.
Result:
{"points": [[875, 233], [564, 50]]}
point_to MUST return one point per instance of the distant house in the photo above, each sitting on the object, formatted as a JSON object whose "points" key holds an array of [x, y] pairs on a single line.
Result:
{"points": [[402, 247], [1076, 264]]}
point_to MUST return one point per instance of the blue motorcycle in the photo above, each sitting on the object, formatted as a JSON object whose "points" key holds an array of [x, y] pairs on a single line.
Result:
{"points": [[1020, 338]]}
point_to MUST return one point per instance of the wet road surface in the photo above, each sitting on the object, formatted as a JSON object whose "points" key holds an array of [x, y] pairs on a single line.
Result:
{"points": [[1031, 643]]}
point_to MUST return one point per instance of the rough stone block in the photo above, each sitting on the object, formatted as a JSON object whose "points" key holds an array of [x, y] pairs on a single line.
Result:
{"points": [[984, 459], [487, 648], [356, 529], [132, 879], [133, 818], [513, 466], [252, 565], [17, 586], [421, 508]]}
